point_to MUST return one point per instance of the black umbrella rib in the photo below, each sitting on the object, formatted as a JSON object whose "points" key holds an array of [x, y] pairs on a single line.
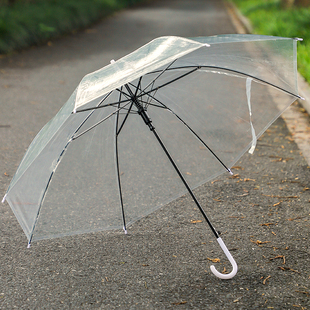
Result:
{"points": [[117, 165], [125, 119], [238, 72], [101, 121], [161, 73], [130, 107], [58, 161], [138, 86], [254, 78], [140, 100], [132, 102], [122, 93], [198, 137], [152, 82], [99, 106], [155, 105], [103, 106], [48, 183], [170, 82], [193, 132]]}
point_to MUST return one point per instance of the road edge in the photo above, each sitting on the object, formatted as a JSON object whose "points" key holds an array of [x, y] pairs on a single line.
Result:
{"points": [[297, 119], [243, 26]]}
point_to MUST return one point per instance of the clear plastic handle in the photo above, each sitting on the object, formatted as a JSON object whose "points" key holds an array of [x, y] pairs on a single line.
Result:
{"points": [[230, 258]]}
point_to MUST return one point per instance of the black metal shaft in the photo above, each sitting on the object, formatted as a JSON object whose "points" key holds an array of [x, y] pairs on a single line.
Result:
{"points": [[185, 182], [148, 122]]}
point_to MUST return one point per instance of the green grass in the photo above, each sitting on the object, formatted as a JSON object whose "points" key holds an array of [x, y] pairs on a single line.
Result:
{"points": [[268, 17], [35, 22]]}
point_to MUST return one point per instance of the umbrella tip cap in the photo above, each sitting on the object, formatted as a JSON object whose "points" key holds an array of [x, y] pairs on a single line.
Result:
{"points": [[230, 172], [4, 198]]}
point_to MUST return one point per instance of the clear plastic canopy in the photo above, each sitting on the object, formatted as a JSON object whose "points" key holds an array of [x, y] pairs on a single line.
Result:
{"points": [[96, 165]]}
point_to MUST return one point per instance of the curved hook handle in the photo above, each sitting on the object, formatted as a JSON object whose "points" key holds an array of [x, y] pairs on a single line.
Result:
{"points": [[231, 259]]}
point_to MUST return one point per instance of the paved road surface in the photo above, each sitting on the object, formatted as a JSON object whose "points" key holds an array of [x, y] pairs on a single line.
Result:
{"points": [[263, 212]]}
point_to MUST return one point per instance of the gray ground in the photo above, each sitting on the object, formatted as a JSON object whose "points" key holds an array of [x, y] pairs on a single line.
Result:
{"points": [[262, 212]]}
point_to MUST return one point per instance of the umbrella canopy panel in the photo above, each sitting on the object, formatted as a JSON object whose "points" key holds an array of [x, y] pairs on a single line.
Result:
{"points": [[101, 167]]}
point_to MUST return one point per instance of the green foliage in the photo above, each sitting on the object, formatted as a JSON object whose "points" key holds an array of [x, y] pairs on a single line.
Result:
{"points": [[26, 23], [268, 17]]}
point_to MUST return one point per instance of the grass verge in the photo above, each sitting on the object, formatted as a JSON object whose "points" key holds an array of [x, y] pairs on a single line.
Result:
{"points": [[29, 23], [268, 17]]}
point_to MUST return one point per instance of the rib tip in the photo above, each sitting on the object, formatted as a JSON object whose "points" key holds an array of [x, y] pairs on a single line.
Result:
{"points": [[230, 172], [298, 39], [4, 198], [252, 149], [28, 246]]}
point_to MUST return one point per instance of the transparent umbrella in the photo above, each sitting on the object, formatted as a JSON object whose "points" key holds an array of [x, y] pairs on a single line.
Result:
{"points": [[144, 130]]}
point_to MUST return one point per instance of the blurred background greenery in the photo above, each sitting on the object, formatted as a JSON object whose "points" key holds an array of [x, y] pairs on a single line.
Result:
{"points": [[29, 22], [285, 18]]}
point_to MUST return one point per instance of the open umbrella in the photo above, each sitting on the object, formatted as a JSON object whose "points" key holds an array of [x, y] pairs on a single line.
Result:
{"points": [[148, 128]]}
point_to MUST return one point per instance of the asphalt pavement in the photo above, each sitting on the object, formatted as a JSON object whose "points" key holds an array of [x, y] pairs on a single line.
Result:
{"points": [[163, 263]]}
